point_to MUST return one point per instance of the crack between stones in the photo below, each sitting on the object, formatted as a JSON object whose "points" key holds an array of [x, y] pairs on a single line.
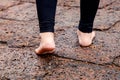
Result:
{"points": [[83, 61], [107, 29], [10, 19], [3, 42], [19, 3], [104, 64], [115, 23], [11, 6], [102, 29], [107, 5], [43, 76], [92, 63], [114, 61]]}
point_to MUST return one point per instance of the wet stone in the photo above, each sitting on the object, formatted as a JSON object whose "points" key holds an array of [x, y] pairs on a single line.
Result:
{"points": [[103, 50]]}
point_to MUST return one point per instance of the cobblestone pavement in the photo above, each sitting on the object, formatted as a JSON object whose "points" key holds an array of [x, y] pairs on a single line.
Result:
{"points": [[19, 36]]}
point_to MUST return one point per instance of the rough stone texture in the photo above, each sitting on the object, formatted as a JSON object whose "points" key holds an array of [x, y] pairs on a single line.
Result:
{"points": [[105, 47], [5, 33], [30, 1], [8, 3], [102, 51], [75, 3], [105, 19], [107, 16], [19, 36], [22, 63], [115, 28], [67, 16], [82, 72], [104, 3], [19, 64], [25, 11]]}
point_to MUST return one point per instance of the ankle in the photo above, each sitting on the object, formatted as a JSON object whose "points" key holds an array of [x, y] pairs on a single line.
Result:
{"points": [[47, 36], [85, 39]]}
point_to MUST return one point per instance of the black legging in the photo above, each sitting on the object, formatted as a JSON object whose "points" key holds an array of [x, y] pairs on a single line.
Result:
{"points": [[46, 14]]}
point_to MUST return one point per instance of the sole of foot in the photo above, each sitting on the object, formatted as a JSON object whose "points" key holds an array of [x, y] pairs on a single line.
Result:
{"points": [[47, 44], [85, 39]]}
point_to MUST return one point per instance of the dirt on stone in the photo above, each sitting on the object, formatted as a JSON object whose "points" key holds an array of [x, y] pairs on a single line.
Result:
{"points": [[19, 36]]}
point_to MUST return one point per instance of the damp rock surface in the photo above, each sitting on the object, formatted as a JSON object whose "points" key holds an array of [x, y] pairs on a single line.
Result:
{"points": [[19, 36]]}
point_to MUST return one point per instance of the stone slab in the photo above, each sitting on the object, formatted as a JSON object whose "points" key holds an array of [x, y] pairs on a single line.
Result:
{"points": [[18, 34], [30, 1], [66, 16], [23, 64], [8, 3], [116, 29], [5, 32], [76, 3], [25, 12], [19, 30], [69, 3], [105, 3], [19, 64], [72, 70], [103, 50], [105, 18]]}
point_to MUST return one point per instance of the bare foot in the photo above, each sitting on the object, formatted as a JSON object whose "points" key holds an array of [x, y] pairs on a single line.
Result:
{"points": [[85, 39], [47, 44]]}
